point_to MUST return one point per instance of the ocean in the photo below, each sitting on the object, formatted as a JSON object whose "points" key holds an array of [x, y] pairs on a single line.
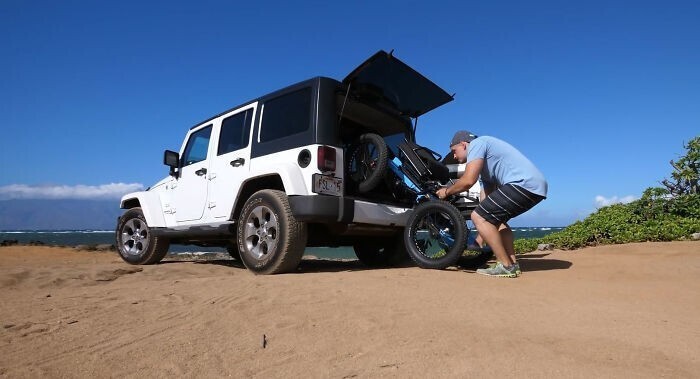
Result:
{"points": [[96, 237]]}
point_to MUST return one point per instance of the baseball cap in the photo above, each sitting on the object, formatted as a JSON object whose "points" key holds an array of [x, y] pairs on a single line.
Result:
{"points": [[462, 136]]}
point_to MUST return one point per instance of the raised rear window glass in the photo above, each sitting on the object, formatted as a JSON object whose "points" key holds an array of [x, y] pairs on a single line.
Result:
{"points": [[234, 132], [197, 146], [394, 140], [286, 115]]}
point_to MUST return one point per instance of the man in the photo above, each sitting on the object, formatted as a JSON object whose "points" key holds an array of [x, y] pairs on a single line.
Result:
{"points": [[511, 185]]}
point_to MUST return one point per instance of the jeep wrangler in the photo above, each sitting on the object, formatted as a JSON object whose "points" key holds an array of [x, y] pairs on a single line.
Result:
{"points": [[270, 177]]}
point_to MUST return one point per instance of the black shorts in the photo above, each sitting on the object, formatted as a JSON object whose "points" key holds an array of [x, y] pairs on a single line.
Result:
{"points": [[506, 202]]}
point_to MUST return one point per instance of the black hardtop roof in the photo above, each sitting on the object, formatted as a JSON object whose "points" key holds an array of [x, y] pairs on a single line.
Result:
{"points": [[304, 83], [382, 78]]}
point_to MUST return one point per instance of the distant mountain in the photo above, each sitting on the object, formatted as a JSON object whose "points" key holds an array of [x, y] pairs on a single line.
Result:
{"points": [[32, 214]]}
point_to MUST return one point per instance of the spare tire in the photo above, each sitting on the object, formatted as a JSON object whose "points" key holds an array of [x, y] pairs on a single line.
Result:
{"points": [[366, 162]]}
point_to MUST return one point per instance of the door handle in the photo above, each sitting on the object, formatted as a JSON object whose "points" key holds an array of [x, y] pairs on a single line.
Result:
{"points": [[237, 162], [201, 171]]}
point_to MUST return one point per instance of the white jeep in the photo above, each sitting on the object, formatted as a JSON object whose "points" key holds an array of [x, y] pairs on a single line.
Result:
{"points": [[268, 178]]}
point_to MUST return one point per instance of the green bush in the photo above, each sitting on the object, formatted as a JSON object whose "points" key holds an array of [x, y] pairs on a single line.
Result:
{"points": [[661, 214], [685, 178], [526, 245], [654, 217]]}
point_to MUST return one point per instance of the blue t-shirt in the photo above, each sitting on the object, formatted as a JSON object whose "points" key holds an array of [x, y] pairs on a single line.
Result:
{"points": [[504, 164]]}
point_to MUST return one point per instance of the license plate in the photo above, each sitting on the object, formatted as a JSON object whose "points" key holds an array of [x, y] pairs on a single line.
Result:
{"points": [[328, 185]]}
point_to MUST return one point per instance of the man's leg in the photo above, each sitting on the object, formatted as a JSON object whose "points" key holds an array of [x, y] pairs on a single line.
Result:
{"points": [[489, 232], [501, 205], [490, 218], [479, 241], [483, 194], [507, 238]]}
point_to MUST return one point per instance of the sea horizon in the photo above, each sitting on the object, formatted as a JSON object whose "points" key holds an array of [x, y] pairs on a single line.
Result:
{"points": [[97, 230], [91, 237]]}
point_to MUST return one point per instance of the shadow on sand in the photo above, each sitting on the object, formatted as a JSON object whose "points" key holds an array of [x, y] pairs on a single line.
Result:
{"points": [[538, 262], [528, 262], [306, 265]]}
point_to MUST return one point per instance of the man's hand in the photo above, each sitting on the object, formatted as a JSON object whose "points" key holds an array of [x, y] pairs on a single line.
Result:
{"points": [[470, 176]]}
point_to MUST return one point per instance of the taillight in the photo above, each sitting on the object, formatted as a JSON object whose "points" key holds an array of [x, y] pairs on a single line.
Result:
{"points": [[326, 158]]}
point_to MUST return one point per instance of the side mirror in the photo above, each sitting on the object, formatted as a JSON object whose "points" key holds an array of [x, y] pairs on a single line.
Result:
{"points": [[172, 160]]}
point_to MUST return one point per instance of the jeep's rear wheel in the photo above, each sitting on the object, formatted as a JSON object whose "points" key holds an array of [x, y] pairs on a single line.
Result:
{"points": [[270, 239], [384, 252], [136, 243], [475, 259]]}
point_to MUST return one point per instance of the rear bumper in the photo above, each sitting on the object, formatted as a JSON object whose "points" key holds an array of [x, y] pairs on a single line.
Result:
{"points": [[320, 208]]}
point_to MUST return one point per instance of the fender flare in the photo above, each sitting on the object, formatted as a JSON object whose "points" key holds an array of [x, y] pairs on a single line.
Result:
{"points": [[292, 179], [150, 205], [288, 175]]}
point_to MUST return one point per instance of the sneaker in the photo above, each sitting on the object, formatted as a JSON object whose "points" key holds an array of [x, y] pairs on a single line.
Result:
{"points": [[498, 270], [517, 267]]}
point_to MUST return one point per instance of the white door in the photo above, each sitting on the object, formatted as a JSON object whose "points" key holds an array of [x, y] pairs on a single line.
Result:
{"points": [[230, 161], [190, 192]]}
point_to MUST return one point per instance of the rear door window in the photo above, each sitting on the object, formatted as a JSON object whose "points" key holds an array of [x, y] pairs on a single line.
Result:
{"points": [[235, 131]]}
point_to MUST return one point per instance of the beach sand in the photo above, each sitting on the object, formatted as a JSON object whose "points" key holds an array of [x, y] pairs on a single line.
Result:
{"points": [[610, 311]]}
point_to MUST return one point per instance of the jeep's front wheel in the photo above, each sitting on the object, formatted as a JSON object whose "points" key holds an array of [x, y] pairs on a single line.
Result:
{"points": [[270, 239], [136, 243], [232, 250]]}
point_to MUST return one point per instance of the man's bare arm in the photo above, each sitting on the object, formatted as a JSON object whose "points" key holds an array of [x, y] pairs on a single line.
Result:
{"points": [[470, 176]]}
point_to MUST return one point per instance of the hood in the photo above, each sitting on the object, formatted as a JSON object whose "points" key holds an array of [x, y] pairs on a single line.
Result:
{"points": [[160, 183], [385, 80]]}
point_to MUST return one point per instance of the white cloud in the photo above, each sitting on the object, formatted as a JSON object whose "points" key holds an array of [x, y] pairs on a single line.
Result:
{"points": [[103, 191], [602, 201]]}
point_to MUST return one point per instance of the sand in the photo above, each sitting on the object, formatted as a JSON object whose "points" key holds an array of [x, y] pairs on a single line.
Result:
{"points": [[611, 311]]}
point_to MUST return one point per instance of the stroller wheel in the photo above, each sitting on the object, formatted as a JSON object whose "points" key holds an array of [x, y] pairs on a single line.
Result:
{"points": [[435, 235]]}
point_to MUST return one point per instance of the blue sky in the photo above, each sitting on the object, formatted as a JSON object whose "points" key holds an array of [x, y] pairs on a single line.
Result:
{"points": [[600, 95]]}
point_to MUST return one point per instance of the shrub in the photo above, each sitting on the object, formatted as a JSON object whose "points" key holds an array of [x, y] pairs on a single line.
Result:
{"points": [[685, 178], [661, 214], [525, 245], [654, 217]]}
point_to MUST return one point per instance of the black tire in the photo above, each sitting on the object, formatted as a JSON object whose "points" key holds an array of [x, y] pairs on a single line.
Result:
{"points": [[367, 162], [136, 243], [475, 259], [382, 252], [270, 239], [423, 239]]}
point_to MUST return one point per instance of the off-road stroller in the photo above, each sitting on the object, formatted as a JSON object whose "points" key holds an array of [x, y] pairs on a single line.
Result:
{"points": [[438, 232]]}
